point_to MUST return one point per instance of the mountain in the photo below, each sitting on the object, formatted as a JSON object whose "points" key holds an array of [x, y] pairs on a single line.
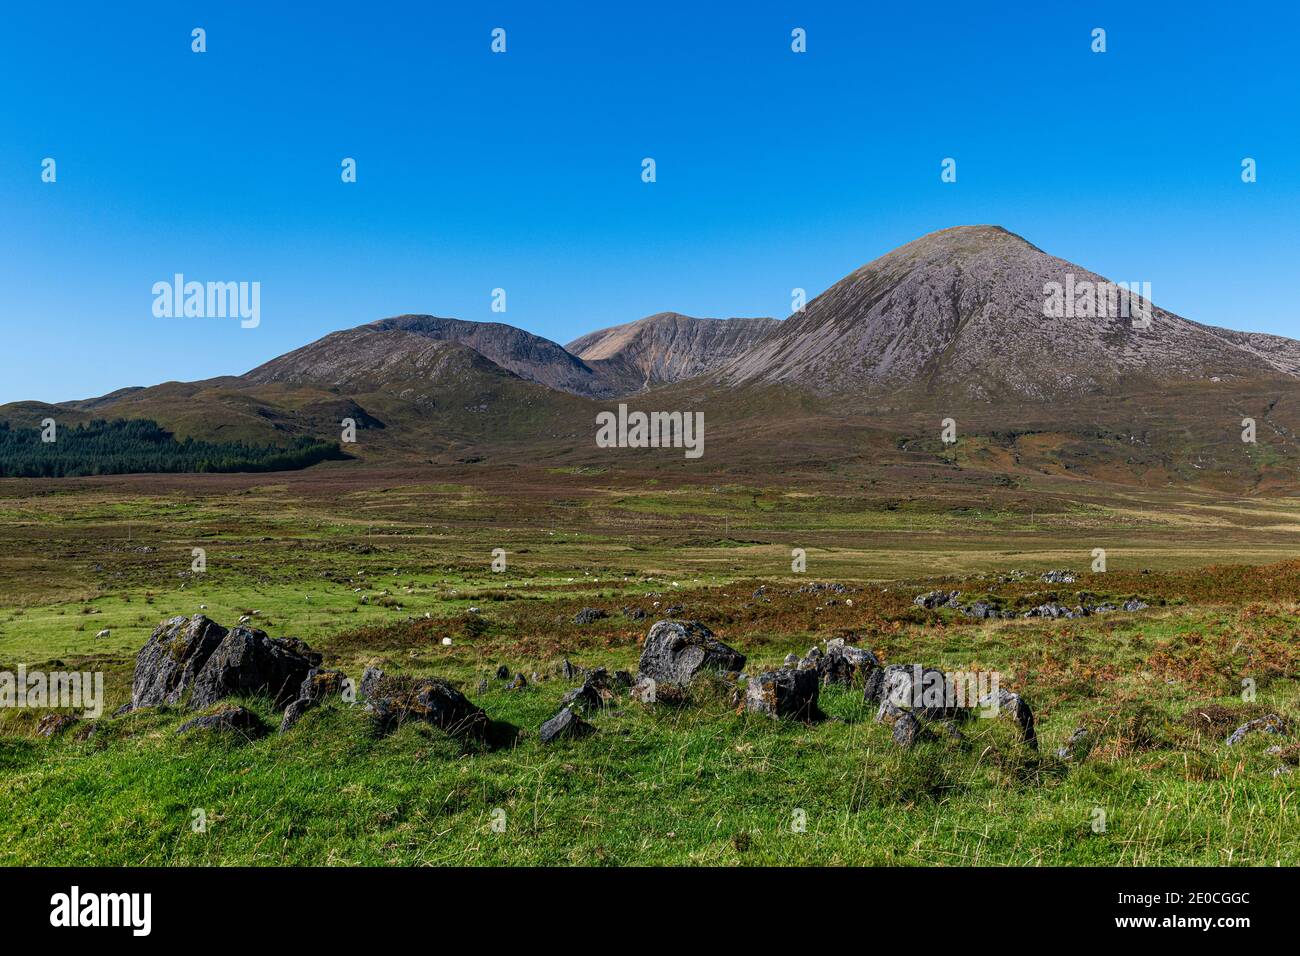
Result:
{"points": [[408, 345], [972, 323], [667, 347], [961, 312]]}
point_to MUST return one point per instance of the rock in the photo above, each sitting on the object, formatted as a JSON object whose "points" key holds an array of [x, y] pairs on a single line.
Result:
{"points": [[1052, 610], [1014, 706], [980, 610], [644, 691], [566, 725], [1268, 724], [592, 695], [844, 664], [589, 615], [634, 613], [1077, 747], [199, 658], [233, 719], [676, 651], [519, 683], [787, 692], [675, 610], [911, 687], [394, 700], [907, 730], [935, 599], [1057, 577], [293, 713], [51, 725], [623, 679], [248, 662], [1135, 605], [321, 683], [820, 588], [482, 686], [169, 662], [370, 679], [792, 660], [503, 672], [569, 672]]}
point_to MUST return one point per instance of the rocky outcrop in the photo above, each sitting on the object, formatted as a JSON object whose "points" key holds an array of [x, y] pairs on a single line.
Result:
{"points": [[676, 651], [198, 662], [169, 662]]}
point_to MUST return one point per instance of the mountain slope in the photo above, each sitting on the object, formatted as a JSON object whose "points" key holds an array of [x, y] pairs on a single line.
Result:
{"points": [[667, 347], [961, 312], [399, 345]]}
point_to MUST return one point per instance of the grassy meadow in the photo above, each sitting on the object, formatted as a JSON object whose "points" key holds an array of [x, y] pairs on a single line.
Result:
{"points": [[376, 567]]}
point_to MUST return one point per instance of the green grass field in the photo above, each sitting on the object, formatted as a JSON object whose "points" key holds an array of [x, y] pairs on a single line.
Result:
{"points": [[381, 569]]}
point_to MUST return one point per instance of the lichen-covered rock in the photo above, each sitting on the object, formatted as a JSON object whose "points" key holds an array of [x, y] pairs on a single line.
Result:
{"points": [[592, 695], [169, 662], [238, 720], [196, 660], [907, 730], [394, 700], [936, 599], [845, 664], [564, 725], [293, 713], [1268, 724], [786, 692], [519, 682], [51, 725], [370, 679], [912, 687], [676, 651], [589, 615], [321, 683], [248, 662]]}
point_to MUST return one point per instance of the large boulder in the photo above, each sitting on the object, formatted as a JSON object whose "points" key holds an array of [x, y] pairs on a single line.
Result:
{"points": [[676, 651], [199, 662], [394, 700], [786, 692], [169, 662], [248, 662]]}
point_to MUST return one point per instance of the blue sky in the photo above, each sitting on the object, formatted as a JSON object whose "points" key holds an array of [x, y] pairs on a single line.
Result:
{"points": [[522, 170]]}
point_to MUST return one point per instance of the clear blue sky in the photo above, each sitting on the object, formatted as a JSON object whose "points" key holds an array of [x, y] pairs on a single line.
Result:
{"points": [[522, 170]]}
